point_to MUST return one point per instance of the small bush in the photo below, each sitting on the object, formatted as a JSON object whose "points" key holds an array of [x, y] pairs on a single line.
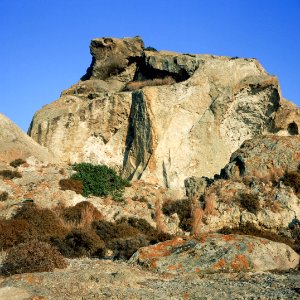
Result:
{"points": [[43, 223], [80, 242], [249, 202], [183, 209], [250, 229], [124, 248], [30, 257], [135, 85], [8, 174], [72, 185], [3, 196], [292, 179], [149, 48], [99, 180], [153, 235], [17, 162], [13, 232], [108, 231], [82, 213]]}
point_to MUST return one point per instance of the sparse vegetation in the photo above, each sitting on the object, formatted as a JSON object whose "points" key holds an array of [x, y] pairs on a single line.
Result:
{"points": [[80, 242], [135, 85], [183, 209], [9, 174], [3, 196], [17, 162], [72, 185], [249, 202], [127, 235], [100, 180], [30, 257]]}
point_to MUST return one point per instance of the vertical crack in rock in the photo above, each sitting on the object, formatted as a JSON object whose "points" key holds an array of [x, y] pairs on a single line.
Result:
{"points": [[139, 138]]}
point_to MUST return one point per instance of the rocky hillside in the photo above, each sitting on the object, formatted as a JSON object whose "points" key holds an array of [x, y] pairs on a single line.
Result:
{"points": [[212, 151], [14, 144], [162, 116]]}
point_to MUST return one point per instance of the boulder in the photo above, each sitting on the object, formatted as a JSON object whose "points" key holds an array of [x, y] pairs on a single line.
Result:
{"points": [[263, 157], [216, 253], [165, 130], [14, 143]]}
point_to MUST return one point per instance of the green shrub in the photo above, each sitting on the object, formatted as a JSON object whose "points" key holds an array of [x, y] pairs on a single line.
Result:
{"points": [[3, 196], [183, 209], [80, 242], [249, 202], [17, 162], [8, 174], [30, 257], [99, 180], [292, 179], [71, 185]]}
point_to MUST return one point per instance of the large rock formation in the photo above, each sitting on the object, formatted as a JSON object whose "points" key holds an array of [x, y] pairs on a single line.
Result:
{"points": [[14, 143], [161, 134], [217, 253]]}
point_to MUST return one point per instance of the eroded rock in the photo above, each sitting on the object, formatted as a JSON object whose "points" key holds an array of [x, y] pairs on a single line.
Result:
{"points": [[215, 253]]}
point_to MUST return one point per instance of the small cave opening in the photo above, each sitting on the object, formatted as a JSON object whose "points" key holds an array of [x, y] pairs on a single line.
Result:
{"points": [[293, 129]]}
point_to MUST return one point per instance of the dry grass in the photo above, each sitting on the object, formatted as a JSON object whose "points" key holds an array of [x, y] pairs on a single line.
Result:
{"points": [[159, 216], [135, 85], [210, 205], [197, 215]]}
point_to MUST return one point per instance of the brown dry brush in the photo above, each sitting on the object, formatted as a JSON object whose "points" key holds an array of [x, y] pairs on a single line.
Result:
{"points": [[197, 214], [9, 174], [71, 185], [33, 256], [135, 85], [81, 215], [17, 162]]}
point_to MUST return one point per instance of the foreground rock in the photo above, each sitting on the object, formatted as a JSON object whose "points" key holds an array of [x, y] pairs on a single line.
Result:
{"points": [[162, 134], [94, 279], [215, 253], [14, 143]]}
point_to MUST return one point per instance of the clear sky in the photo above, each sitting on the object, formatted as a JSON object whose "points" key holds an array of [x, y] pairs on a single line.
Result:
{"points": [[45, 43]]}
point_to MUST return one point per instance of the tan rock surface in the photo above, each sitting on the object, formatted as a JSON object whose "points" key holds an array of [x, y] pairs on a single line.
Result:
{"points": [[14, 143], [161, 134]]}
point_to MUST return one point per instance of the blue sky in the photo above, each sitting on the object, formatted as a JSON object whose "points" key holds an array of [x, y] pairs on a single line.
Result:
{"points": [[45, 43]]}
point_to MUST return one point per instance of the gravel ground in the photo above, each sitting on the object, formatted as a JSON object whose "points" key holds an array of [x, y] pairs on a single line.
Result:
{"points": [[104, 279]]}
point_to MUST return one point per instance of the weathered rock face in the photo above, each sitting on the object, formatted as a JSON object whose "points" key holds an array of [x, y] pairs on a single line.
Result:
{"points": [[255, 169], [14, 143], [217, 253], [161, 134]]}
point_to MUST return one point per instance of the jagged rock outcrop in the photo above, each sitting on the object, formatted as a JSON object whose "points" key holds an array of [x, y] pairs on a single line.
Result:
{"points": [[215, 253], [161, 134], [14, 143], [255, 173]]}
